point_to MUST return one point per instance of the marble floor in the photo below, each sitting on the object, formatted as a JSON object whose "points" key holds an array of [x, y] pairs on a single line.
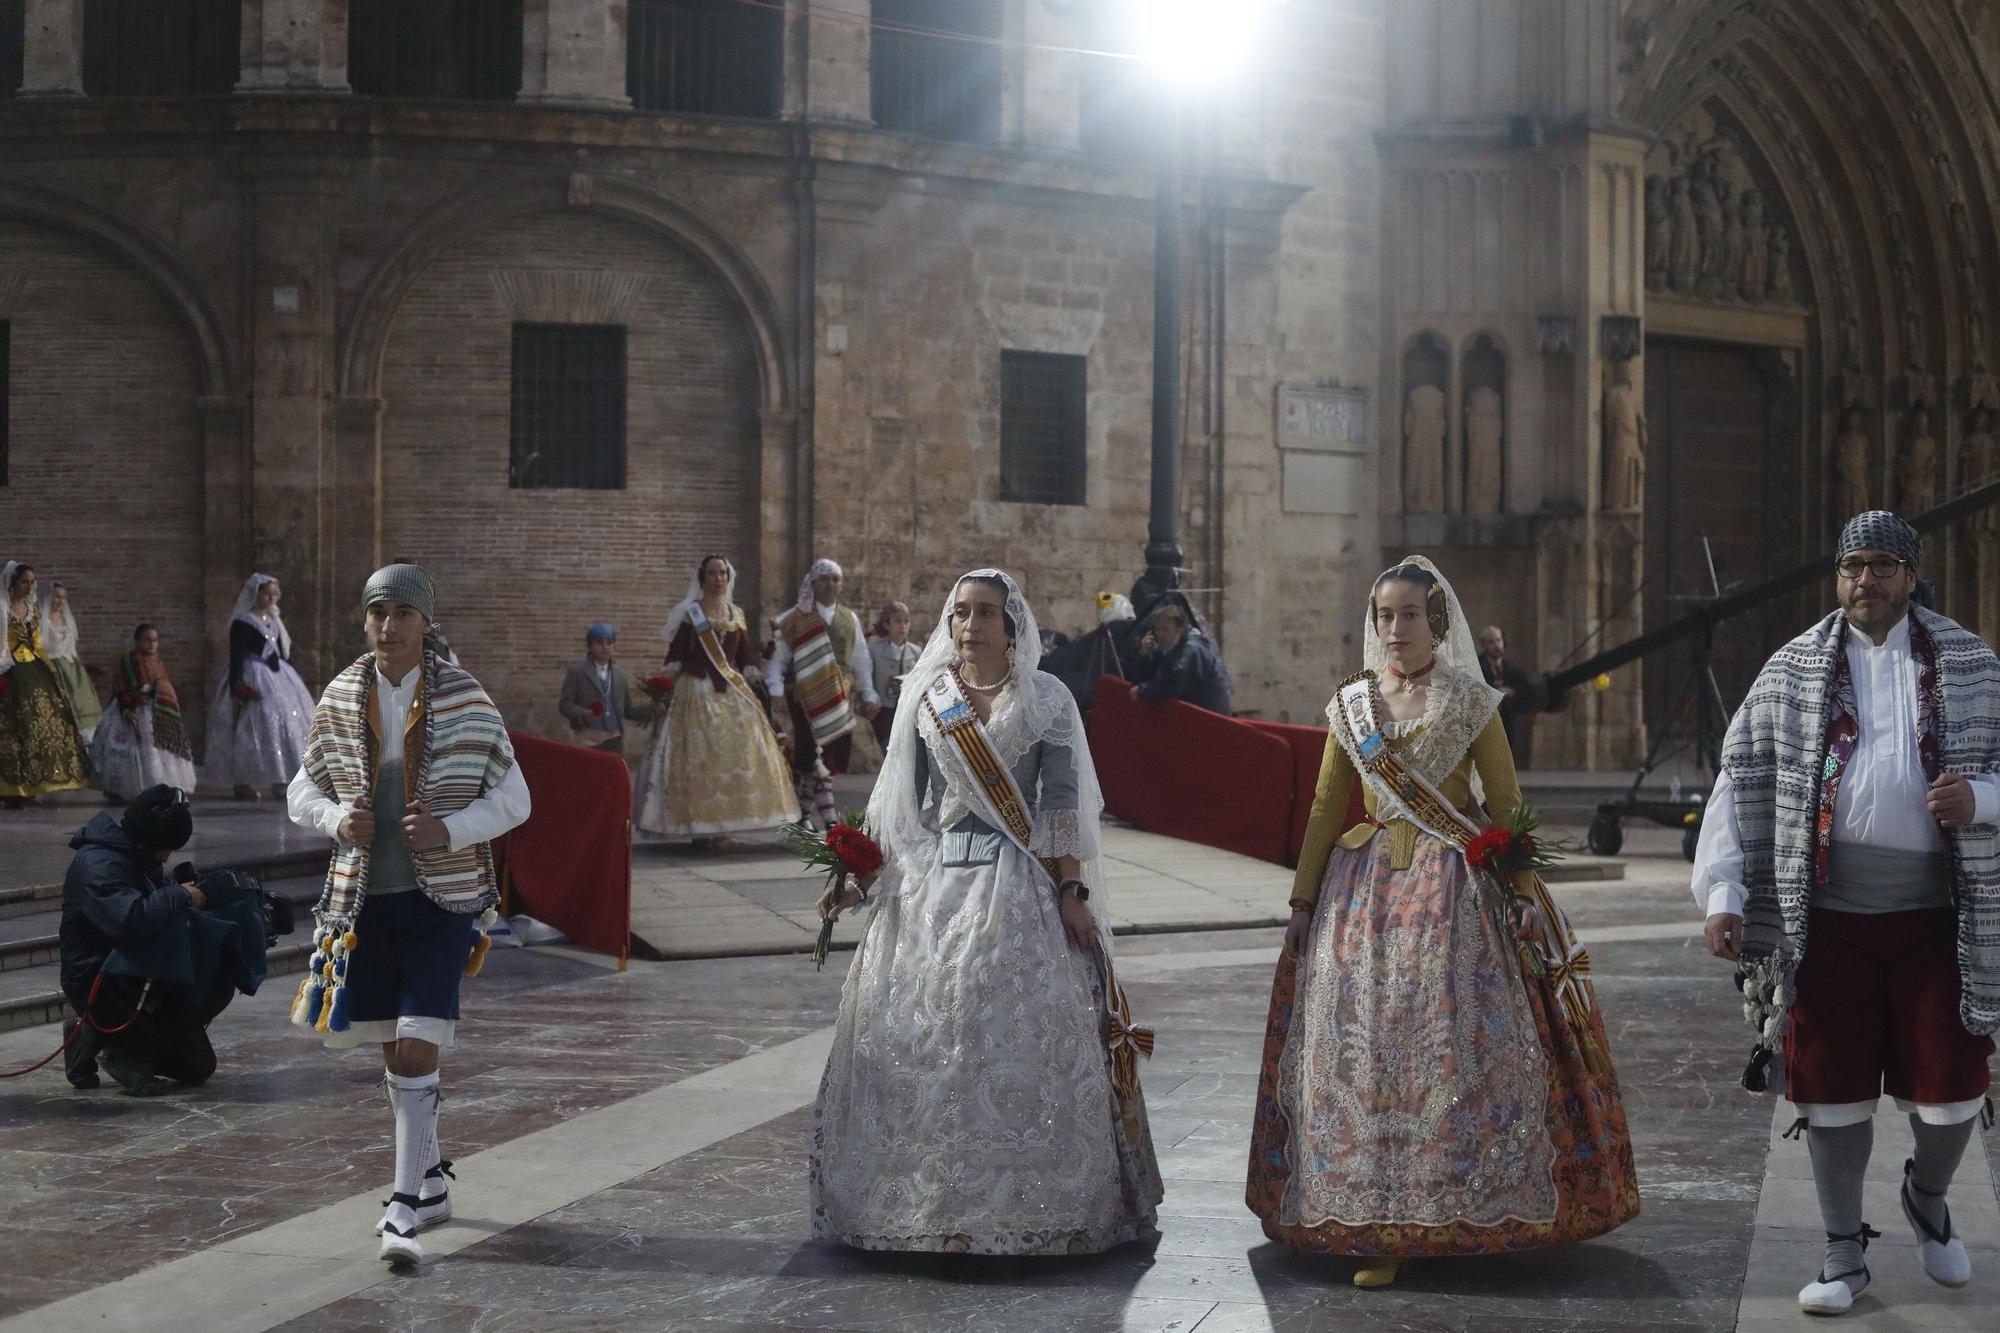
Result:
{"points": [[631, 1147]]}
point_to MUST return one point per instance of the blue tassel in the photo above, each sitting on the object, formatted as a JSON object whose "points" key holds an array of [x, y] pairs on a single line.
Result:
{"points": [[315, 963], [338, 1023], [315, 993], [340, 969]]}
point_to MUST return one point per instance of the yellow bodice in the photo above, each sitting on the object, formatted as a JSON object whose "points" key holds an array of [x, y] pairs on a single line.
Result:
{"points": [[24, 640], [1489, 756]]}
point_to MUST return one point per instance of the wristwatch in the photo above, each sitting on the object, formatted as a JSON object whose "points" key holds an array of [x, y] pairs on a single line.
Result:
{"points": [[1076, 887]]}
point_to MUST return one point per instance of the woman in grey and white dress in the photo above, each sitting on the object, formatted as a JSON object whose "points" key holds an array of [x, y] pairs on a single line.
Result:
{"points": [[967, 1104]]}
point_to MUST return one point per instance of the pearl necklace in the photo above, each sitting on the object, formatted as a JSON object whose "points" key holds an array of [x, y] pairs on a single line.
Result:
{"points": [[994, 688]]}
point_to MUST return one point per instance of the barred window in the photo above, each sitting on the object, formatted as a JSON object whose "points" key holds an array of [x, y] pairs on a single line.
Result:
{"points": [[6, 387], [935, 68], [161, 48], [1121, 103], [13, 38], [568, 412], [704, 57], [444, 50], [1042, 416]]}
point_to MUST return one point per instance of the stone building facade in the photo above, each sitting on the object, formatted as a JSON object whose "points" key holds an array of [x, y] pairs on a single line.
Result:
{"points": [[1537, 286]]}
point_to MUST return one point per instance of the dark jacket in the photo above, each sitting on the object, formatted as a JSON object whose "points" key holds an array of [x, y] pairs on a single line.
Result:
{"points": [[580, 690], [116, 895], [1190, 671]]}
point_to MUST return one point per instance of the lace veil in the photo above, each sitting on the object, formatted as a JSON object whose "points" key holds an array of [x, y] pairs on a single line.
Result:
{"points": [[245, 611], [1031, 707], [1460, 702], [7, 573], [680, 611]]}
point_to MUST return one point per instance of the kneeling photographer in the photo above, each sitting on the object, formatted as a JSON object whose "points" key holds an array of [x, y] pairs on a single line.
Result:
{"points": [[150, 958]]}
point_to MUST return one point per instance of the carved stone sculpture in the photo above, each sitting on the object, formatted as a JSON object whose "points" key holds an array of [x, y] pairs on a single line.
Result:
{"points": [[1751, 276], [1779, 288], [1919, 467], [1624, 442], [1659, 233], [1706, 197], [1484, 429], [1735, 248], [1684, 248], [1850, 455], [1423, 449]]}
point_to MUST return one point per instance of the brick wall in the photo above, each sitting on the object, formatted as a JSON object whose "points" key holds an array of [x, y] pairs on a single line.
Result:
{"points": [[524, 572], [105, 468]]}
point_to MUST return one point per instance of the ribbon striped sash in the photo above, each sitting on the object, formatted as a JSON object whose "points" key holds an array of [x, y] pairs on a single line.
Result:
{"points": [[1406, 792], [711, 643], [1005, 806], [816, 677]]}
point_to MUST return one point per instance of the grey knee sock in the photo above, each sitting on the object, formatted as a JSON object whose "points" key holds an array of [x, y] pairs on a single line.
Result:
{"points": [[1939, 1148], [1840, 1162]]}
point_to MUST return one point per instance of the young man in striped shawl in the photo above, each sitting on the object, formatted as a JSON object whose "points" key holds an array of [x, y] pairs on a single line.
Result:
{"points": [[409, 770], [819, 643], [1857, 807]]}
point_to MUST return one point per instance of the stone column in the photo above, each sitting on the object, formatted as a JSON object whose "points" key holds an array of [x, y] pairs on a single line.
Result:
{"points": [[1050, 82], [573, 53], [294, 46], [836, 62], [52, 49], [291, 337], [357, 498], [225, 545], [778, 558]]}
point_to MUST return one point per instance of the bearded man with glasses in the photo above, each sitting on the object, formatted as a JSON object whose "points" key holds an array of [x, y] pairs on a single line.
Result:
{"points": [[1857, 807]]}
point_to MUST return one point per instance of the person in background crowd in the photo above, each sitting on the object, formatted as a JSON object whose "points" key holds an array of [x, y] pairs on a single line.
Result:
{"points": [[141, 742], [1177, 664], [889, 644], [1521, 690], [59, 643], [259, 709], [40, 750], [597, 694]]}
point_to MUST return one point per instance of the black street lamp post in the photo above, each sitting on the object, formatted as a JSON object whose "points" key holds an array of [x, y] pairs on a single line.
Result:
{"points": [[1164, 556]]}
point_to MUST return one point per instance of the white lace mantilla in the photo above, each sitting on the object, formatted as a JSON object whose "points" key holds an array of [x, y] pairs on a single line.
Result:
{"points": [[1456, 710]]}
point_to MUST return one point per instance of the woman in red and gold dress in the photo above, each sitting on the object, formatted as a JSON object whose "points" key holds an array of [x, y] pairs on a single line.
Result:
{"points": [[1436, 1079], [715, 766]]}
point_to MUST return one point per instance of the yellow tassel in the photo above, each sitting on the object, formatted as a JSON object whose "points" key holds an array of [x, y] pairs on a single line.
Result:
{"points": [[325, 1011], [299, 1001], [347, 940]]}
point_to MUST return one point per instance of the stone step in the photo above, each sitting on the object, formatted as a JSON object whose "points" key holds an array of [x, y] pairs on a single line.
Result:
{"points": [[30, 989], [24, 900]]}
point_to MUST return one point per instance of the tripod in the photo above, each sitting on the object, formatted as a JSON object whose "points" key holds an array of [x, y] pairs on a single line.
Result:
{"points": [[1697, 719]]}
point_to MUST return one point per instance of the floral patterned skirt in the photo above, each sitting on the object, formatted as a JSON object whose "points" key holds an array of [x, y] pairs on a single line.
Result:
{"points": [[714, 767], [1421, 1093], [40, 750]]}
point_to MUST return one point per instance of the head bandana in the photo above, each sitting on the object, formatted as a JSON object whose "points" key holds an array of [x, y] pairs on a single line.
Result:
{"points": [[409, 585], [821, 568], [1880, 530], [601, 630]]}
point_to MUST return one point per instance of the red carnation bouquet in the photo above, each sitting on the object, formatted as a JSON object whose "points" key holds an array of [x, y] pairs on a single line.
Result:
{"points": [[660, 689], [597, 708], [1510, 848], [246, 694], [844, 849]]}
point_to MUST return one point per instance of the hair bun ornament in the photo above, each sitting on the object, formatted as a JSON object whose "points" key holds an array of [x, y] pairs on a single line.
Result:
{"points": [[1438, 611]]}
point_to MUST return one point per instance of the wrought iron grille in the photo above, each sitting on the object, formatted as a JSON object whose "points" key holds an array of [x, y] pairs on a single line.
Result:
{"points": [[13, 36], [161, 48], [568, 415], [445, 50], [704, 57], [1042, 419], [943, 87]]}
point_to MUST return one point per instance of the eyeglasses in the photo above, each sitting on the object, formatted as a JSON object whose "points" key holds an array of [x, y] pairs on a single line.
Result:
{"points": [[1887, 567]]}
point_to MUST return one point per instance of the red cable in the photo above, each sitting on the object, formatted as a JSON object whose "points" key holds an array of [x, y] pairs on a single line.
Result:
{"points": [[88, 1004]]}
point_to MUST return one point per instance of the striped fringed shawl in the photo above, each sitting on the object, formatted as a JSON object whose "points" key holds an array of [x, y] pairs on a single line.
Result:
{"points": [[464, 753], [1775, 755]]}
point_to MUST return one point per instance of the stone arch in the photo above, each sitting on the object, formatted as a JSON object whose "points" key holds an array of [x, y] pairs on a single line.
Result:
{"points": [[158, 262], [618, 544], [364, 337]]}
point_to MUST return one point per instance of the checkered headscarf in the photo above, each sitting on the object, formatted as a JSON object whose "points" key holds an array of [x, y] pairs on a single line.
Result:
{"points": [[1880, 530]]}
